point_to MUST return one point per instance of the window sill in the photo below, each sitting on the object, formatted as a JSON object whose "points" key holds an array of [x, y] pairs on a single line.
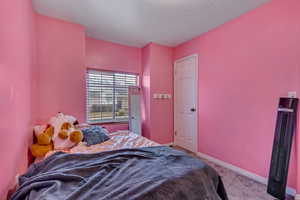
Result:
{"points": [[109, 122]]}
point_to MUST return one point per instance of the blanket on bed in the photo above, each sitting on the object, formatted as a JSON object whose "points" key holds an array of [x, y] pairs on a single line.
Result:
{"points": [[149, 173]]}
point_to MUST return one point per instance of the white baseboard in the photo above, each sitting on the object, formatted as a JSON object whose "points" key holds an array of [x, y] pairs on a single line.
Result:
{"points": [[260, 179]]}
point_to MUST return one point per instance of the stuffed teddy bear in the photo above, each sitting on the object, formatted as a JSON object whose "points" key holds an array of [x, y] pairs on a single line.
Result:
{"points": [[76, 136], [59, 134], [44, 141], [46, 137], [67, 131], [65, 134], [38, 150]]}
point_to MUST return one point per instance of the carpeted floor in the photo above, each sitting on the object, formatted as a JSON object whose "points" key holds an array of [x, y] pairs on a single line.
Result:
{"points": [[239, 187]]}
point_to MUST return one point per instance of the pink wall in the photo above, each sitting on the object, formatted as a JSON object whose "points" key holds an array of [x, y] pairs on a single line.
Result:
{"points": [[146, 111], [158, 78], [298, 153], [61, 58], [244, 67], [17, 58], [298, 140], [64, 54], [113, 57]]}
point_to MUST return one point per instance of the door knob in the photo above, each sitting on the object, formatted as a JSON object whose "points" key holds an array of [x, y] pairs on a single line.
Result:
{"points": [[193, 109]]}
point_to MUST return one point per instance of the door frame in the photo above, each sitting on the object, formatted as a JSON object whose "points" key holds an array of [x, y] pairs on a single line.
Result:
{"points": [[195, 135]]}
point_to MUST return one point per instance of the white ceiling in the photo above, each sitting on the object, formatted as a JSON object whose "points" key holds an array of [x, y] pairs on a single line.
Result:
{"points": [[138, 22]]}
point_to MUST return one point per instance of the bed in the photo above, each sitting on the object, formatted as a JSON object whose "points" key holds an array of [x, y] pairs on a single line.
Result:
{"points": [[127, 166]]}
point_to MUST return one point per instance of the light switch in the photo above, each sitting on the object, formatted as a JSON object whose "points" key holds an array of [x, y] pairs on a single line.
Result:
{"points": [[165, 96]]}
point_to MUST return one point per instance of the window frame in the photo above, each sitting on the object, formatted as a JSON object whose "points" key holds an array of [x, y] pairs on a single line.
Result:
{"points": [[114, 119]]}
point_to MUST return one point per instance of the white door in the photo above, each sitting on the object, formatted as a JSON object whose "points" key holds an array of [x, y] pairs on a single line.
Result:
{"points": [[185, 102], [135, 114]]}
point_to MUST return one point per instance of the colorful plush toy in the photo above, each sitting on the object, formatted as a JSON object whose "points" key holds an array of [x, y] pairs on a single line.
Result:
{"points": [[73, 134], [38, 150], [63, 137], [76, 136], [46, 137], [44, 142], [59, 134], [63, 134], [66, 126]]}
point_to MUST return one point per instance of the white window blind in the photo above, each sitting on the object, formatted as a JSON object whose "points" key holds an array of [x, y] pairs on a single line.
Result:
{"points": [[107, 96]]}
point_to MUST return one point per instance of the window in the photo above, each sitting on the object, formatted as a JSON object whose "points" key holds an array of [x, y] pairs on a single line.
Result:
{"points": [[107, 96]]}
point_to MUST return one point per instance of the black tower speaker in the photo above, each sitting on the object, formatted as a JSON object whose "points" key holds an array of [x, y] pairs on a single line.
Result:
{"points": [[285, 128]]}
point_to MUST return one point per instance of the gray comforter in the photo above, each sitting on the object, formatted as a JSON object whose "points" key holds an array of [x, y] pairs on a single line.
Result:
{"points": [[156, 173]]}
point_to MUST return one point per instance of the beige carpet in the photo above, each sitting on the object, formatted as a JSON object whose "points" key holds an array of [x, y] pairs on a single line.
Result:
{"points": [[238, 187]]}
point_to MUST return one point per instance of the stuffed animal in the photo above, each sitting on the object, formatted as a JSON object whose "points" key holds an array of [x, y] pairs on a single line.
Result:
{"points": [[46, 137], [59, 134], [76, 136], [63, 134], [66, 126], [44, 142], [63, 137], [38, 150]]}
